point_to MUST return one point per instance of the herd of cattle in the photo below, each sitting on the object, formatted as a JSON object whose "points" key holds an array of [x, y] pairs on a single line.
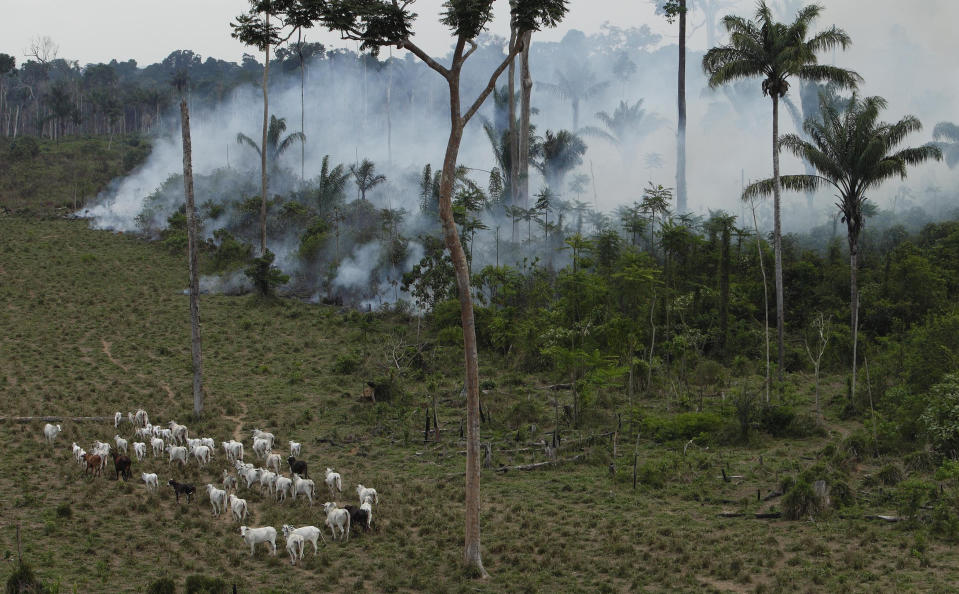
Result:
{"points": [[174, 441]]}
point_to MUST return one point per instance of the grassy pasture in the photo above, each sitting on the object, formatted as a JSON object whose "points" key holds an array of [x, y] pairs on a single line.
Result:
{"points": [[95, 322]]}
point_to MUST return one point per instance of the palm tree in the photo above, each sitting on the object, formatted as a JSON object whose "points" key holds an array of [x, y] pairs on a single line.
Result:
{"points": [[626, 127], [575, 86], [276, 143], [562, 152], [330, 185], [274, 148], [366, 177], [950, 132], [853, 152], [777, 51]]}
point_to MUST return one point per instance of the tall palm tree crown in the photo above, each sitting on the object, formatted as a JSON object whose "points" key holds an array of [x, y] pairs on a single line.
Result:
{"points": [[366, 177], [776, 52], [626, 127], [276, 144]]}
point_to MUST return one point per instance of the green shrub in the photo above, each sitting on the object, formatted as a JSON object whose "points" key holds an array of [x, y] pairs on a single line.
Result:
{"points": [[912, 494], [265, 277], [944, 519], [387, 389], [163, 585], [64, 511], [682, 426], [24, 581], [801, 501], [842, 495], [201, 584], [889, 475], [345, 364], [524, 412], [452, 336], [776, 420], [23, 148], [229, 252], [941, 417]]}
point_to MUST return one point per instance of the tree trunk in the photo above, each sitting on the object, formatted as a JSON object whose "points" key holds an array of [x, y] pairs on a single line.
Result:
{"points": [[523, 140], [194, 272], [299, 46], [724, 290], [472, 553], [514, 138], [266, 120], [778, 243], [762, 268], [389, 111], [681, 128], [854, 307]]}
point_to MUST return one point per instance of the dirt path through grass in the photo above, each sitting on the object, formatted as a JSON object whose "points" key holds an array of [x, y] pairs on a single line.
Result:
{"points": [[169, 391], [106, 351], [238, 430]]}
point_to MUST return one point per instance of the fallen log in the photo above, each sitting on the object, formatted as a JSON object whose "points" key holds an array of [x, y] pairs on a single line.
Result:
{"points": [[538, 464], [773, 495], [758, 516], [884, 518]]}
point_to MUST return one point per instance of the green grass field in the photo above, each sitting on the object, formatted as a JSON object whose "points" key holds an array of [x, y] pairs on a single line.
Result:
{"points": [[96, 322]]}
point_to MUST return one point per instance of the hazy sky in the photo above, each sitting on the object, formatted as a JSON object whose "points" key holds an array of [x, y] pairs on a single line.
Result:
{"points": [[98, 30]]}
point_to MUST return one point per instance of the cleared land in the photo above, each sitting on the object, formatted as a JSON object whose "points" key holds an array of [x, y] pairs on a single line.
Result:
{"points": [[95, 322]]}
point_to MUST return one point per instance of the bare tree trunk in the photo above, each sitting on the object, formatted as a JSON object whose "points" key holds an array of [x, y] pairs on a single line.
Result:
{"points": [[652, 342], [266, 119], [854, 306], [523, 140], [762, 268], [389, 111], [514, 138], [299, 49], [778, 243], [681, 128], [194, 273]]}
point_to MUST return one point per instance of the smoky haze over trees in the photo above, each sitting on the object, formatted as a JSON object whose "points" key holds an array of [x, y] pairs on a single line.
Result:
{"points": [[356, 250]]}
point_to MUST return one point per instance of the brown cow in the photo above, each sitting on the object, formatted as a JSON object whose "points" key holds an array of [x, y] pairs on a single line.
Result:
{"points": [[93, 464]]}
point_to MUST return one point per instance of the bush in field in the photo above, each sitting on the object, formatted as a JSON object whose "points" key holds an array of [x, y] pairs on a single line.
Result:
{"points": [[801, 501], [163, 585], [941, 417], [24, 581], [682, 426], [201, 584], [266, 277], [23, 148], [345, 364]]}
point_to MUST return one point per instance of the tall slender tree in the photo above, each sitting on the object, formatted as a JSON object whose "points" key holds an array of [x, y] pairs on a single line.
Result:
{"points": [[676, 10], [366, 178], [777, 52], [192, 248], [853, 152], [377, 23], [252, 31]]}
